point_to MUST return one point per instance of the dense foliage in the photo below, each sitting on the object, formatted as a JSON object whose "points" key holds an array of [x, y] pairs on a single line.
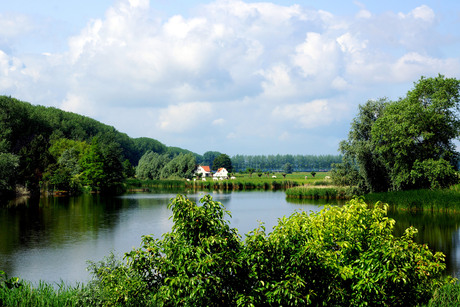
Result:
{"points": [[405, 144], [341, 256], [47, 147], [160, 166]]}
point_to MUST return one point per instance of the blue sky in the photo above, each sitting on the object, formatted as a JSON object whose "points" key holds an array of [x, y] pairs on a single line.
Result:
{"points": [[239, 77]]}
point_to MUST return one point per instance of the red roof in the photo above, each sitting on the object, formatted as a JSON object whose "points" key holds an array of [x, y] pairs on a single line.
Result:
{"points": [[206, 168]]}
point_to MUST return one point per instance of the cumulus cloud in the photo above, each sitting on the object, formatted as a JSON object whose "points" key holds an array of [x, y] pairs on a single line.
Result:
{"points": [[307, 115], [179, 118], [229, 62]]}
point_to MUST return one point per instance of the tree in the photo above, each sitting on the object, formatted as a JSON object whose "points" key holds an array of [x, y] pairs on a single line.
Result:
{"points": [[151, 164], [209, 157], [361, 164], [102, 168], [287, 168], [224, 161], [405, 144], [182, 166], [8, 167], [417, 128]]}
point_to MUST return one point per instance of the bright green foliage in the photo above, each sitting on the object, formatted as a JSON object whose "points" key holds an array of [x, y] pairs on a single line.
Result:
{"points": [[101, 167], [64, 175], [197, 264], [341, 256], [224, 161], [447, 296]]}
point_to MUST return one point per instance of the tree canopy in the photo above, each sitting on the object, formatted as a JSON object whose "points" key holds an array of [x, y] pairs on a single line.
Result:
{"points": [[405, 144], [224, 161]]}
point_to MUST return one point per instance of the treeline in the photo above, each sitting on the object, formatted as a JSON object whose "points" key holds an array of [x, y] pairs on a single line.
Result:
{"points": [[47, 148], [44, 146], [278, 162]]}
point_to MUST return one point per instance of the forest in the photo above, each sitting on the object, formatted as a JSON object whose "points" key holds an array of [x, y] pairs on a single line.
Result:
{"points": [[45, 148]]}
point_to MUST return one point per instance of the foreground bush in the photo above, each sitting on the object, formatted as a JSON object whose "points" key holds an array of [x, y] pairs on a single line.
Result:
{"points": [[340, 256]]}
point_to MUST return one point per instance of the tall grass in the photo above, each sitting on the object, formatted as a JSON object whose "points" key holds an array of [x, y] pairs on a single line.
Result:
{"points": [[44, 294], [447, 296], [436, 200], [321, 193], [241, 184]]}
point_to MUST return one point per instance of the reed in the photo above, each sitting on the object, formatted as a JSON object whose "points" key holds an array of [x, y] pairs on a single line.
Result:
{"points": [[44, 294], [241, 184], [321, 193], [435, 200]]}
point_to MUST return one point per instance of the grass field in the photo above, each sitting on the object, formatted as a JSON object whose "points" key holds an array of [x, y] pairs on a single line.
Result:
{"points": [[241, 182]]}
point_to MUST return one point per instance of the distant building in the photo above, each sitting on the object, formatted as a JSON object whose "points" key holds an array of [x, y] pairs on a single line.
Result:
{"points": [[205, 171], [221, 173]]}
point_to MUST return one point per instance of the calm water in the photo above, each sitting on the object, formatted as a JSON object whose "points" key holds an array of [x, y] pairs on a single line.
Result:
{"points": [[51, 239]]}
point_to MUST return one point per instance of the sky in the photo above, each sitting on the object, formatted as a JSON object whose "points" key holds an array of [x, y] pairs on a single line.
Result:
{"points": [[238, 77]]}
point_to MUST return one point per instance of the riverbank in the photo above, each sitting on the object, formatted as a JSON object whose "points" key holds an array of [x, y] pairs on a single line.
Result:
{"points": [[424, 199], [444, 200]]}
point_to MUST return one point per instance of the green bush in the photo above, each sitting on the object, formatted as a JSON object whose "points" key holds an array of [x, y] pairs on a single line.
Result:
{"points": [[340, 256]]}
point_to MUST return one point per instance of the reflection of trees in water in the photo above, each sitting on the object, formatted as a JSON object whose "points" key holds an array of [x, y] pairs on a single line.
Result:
{"points": [[438, 230], [52, 221]]}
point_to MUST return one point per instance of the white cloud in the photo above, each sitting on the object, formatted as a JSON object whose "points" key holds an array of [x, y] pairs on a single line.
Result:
{"points": [[307, 115], [423, 12], [246, 63], [181, 117], [13, 25]]}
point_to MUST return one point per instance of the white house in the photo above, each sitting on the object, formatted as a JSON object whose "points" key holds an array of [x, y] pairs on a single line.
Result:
{"points": [[221, 173], [205, 171]]}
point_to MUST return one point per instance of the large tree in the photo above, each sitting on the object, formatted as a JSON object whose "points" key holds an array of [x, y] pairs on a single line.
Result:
{"points": [[405, 144], [361, 164], [222, 160]]}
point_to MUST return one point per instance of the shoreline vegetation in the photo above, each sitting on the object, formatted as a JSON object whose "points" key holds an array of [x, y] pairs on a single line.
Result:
{"points": [[203, 261]]}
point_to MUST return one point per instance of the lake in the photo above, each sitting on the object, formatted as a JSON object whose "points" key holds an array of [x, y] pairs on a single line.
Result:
{"points": [[52, 239]]}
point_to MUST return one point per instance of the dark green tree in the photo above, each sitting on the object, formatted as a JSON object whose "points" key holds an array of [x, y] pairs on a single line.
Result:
{"points": [[420, 127], [8, 167], [209, 157], [362, 165], [224, 161], [287, 168], [405, 144]]}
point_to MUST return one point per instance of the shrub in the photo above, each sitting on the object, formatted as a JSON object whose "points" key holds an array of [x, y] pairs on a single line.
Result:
{"points": [[341, 256]]}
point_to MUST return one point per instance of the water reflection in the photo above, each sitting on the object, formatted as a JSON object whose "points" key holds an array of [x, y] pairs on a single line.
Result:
{"points": [[52, 238], [439, 230]]}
